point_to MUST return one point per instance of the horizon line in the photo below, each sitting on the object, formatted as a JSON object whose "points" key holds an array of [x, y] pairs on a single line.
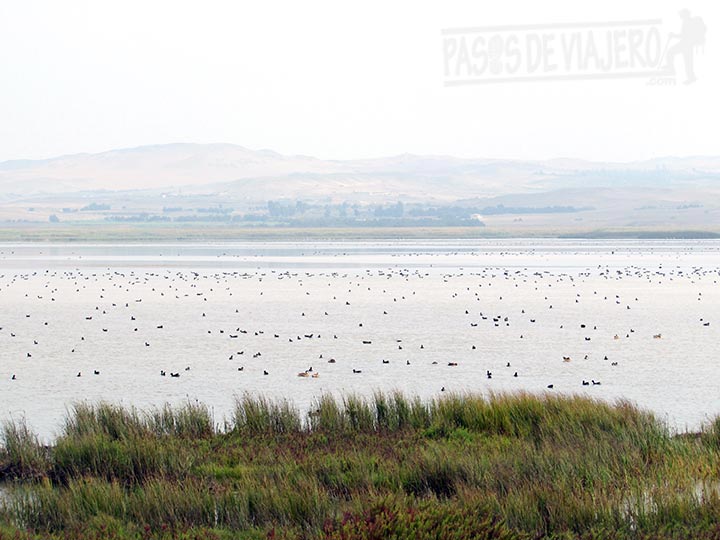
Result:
{"points": [[377, 157]]}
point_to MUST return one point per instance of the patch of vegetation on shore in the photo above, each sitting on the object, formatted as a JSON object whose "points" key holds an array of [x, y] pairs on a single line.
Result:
{"points": [[149, 232], [506, 467], [645, 235], [198, 232]]}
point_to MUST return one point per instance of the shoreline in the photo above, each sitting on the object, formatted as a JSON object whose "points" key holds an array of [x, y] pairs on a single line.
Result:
{"points": [[138, 234]]}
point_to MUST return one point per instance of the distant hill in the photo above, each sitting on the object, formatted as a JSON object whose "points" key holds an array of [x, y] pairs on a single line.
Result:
{"points": [[264, 174], [151, 167], [145, 181]]}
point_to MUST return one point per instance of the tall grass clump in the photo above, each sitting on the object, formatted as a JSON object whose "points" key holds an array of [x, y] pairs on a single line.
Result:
{"points": [[103, 418], [21, 456], [359, 414], [260, 416], [116, 444], [711, 434], [355, 414], [130, 461], [395, 412], [546, 418], [191, 421], [327, 416], [159, 503]]}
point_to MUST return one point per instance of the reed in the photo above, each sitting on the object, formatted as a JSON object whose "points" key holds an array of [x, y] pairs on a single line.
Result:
{"points": [[192, 421], [21, 454], [258, 415], [515, 466], [113, 421]]}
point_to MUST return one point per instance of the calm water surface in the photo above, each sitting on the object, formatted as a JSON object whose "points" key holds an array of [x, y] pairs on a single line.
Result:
{"points": [[206, 310]]}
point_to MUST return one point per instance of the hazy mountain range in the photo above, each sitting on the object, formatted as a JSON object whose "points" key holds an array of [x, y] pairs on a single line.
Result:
{"points": [[234, 173], [203, 168]]}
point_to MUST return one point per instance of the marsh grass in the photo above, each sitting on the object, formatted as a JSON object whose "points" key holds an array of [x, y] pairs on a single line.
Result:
{"points": [[107, 419], [22, 454], [191, 421], [461, 466], [260, 416]]}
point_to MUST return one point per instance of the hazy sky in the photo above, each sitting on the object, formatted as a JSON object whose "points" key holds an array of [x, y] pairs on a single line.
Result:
{"points": [[331, 79]]}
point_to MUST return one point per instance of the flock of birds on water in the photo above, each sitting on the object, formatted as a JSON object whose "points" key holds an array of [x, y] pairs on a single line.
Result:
{"points": [[106, 308]]}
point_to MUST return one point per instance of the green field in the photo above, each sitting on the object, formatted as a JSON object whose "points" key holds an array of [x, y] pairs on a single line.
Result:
{"points": [[100, 232], [507, 467], [179, 233]]}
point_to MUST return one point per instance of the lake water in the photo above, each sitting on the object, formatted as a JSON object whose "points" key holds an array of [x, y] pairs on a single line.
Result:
{"points": [[132, 311]]}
